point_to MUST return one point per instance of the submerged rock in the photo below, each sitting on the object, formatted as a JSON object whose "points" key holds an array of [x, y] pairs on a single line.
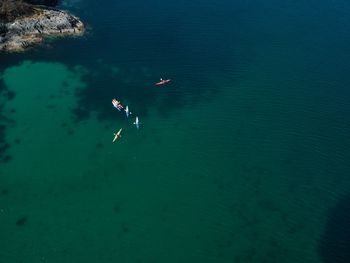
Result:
{"points": [[42, 2], [28, 30]]}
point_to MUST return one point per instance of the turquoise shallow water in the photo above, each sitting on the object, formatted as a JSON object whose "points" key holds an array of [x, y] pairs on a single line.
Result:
{"points": [[242, 158]]}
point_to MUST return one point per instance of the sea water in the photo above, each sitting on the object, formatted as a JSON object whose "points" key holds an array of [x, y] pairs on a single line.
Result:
{"points": [[242, 157]]}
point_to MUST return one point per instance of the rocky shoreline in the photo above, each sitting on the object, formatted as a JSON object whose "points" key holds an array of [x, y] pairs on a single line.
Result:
{"points": [[27, 31]]}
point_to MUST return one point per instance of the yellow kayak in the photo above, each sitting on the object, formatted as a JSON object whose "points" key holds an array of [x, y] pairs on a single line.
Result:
{"points": [[117, 135]]}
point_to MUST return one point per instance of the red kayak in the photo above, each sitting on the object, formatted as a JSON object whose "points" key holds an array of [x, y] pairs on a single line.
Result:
{"points": [[163, 81]]}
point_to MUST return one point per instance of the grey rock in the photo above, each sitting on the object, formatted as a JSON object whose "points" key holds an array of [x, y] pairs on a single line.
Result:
{"points": [[27, 31]]}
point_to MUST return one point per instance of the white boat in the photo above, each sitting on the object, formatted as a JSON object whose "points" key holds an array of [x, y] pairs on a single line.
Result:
{"points": [[117, 104]]}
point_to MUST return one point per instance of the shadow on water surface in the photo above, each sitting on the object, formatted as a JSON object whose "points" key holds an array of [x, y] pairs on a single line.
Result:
{"points": [[335, 243]]}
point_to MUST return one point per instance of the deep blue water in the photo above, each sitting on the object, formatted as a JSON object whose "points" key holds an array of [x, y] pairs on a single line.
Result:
{"points": [[243, 157]]}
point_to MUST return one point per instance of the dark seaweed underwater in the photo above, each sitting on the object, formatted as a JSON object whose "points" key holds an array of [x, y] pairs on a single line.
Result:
{"points": [[243, 157]]}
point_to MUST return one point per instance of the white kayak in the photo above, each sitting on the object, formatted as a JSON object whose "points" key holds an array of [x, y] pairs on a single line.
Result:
{"points": [[137, 122], [117, 135], [127, 112]]}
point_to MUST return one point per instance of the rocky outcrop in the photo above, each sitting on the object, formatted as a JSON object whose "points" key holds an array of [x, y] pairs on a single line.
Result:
{"points": [[26, 31]]}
